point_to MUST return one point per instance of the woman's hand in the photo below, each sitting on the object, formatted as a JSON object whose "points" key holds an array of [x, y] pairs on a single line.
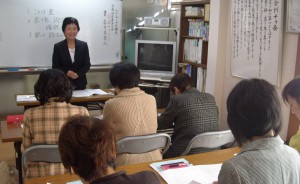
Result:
{"points": [[72, 74]]}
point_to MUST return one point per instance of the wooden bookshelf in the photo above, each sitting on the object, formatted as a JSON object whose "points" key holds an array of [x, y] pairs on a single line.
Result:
{"points": [[193, 40]]}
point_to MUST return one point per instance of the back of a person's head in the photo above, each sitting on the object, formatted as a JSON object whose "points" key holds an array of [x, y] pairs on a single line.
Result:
{"points": [[182, 81], [253, 110], [53, 83], [292, 89], [88, 146], [124, 75]]}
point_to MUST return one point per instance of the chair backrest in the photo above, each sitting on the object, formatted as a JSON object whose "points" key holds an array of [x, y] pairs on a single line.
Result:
{"points": [[210, 140], [144, 143], [40, 153]]}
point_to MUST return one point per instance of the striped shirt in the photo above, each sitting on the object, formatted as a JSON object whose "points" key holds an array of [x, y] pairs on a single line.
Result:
{"points": [[266, 161], [41, 126]]}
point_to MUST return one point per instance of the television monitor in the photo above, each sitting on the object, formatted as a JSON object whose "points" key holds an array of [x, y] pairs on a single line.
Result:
{"points": [[155, 59]]}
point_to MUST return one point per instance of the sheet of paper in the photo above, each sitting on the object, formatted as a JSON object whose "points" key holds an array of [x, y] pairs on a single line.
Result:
{"points": [[204, 174], [74, 182], [96, 91], [80, 93], [88, 92], [26, 98]]}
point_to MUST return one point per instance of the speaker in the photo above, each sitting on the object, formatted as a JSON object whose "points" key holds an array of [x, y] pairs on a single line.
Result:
{"points": [[157, 21]]}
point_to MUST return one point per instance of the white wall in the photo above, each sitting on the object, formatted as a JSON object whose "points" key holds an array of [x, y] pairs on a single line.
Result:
{"points": [[219, 79]]}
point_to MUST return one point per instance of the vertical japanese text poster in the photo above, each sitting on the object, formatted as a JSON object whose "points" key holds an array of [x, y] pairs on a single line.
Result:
{"points": [[293, 16], [256, 39]]}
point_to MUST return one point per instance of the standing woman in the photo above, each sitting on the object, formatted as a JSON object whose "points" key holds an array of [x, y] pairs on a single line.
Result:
{"points": [[71, 55]]}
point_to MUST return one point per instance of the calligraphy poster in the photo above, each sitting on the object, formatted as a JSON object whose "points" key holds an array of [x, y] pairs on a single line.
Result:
{"points": [[293, 16], [256, 37]]}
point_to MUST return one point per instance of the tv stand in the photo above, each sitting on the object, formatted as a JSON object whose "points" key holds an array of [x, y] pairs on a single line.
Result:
{"points": [[160, 79], [159, 89]]}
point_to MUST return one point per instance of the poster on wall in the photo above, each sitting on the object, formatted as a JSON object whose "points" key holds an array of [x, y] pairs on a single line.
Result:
{"points": [[256, 39], [293, 16]]}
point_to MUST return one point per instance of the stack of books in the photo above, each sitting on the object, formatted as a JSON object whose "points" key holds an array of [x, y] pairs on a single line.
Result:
{"points": [[194, 11]]}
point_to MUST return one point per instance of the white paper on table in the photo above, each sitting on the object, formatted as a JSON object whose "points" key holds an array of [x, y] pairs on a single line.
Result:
{"points": [[26, 98], [75, 182], [88, 92], [203, 174]]}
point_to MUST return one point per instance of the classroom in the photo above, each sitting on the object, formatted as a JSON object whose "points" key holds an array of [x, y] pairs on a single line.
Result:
{"points": [[219, 79]]}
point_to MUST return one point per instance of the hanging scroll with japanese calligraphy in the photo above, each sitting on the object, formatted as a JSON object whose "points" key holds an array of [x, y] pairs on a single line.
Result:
{"points": [[293, 16], [30, 28], [256, 39]]}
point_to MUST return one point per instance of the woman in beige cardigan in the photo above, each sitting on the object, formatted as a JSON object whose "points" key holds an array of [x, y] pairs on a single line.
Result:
{"points": [[132, 111]]}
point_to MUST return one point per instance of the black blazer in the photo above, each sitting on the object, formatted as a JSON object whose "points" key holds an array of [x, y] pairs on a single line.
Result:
{"points": [[61, 60]]}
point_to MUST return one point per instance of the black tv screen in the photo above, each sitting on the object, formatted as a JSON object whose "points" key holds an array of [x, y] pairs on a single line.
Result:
{"points": [[155, 56]]}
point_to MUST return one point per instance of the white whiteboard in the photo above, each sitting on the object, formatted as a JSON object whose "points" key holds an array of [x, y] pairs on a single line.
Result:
{"points": [[30, 28], [256, 38]]}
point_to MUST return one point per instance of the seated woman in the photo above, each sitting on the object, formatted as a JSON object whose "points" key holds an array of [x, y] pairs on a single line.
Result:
{"points": [[42, 124], [132, 111], [291, 96], [254, 117], [88, 147]]}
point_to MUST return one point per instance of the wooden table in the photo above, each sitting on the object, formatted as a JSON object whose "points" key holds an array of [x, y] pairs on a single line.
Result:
{"points": [[93, 98], [13, 133], [213, 157]]}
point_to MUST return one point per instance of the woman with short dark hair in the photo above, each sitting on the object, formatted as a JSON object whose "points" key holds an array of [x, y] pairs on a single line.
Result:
{"points": [[132, 111], [291, 96], [42, 124], [254, 117], [72, 55], [87, 145]]}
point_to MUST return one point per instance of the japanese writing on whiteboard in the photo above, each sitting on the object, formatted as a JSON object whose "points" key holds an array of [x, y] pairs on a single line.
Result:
{"points": [[256, 38], [110, 24], [48, 21]]}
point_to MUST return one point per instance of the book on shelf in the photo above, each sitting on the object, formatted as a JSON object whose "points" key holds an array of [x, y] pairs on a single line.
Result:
{"points": [[201, 78], [194, 11], [206, 12], [198, 28], [192, 50]]}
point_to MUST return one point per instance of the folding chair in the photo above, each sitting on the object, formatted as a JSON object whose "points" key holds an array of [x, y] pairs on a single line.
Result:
{"points": [[210, 140], [40, 153], [144, 143]]}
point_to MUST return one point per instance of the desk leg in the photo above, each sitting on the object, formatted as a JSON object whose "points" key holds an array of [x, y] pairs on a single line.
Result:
{"points": [[17, 146]]}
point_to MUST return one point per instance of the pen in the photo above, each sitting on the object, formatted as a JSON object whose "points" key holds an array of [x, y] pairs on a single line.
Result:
{"points": [[176, 164]]}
